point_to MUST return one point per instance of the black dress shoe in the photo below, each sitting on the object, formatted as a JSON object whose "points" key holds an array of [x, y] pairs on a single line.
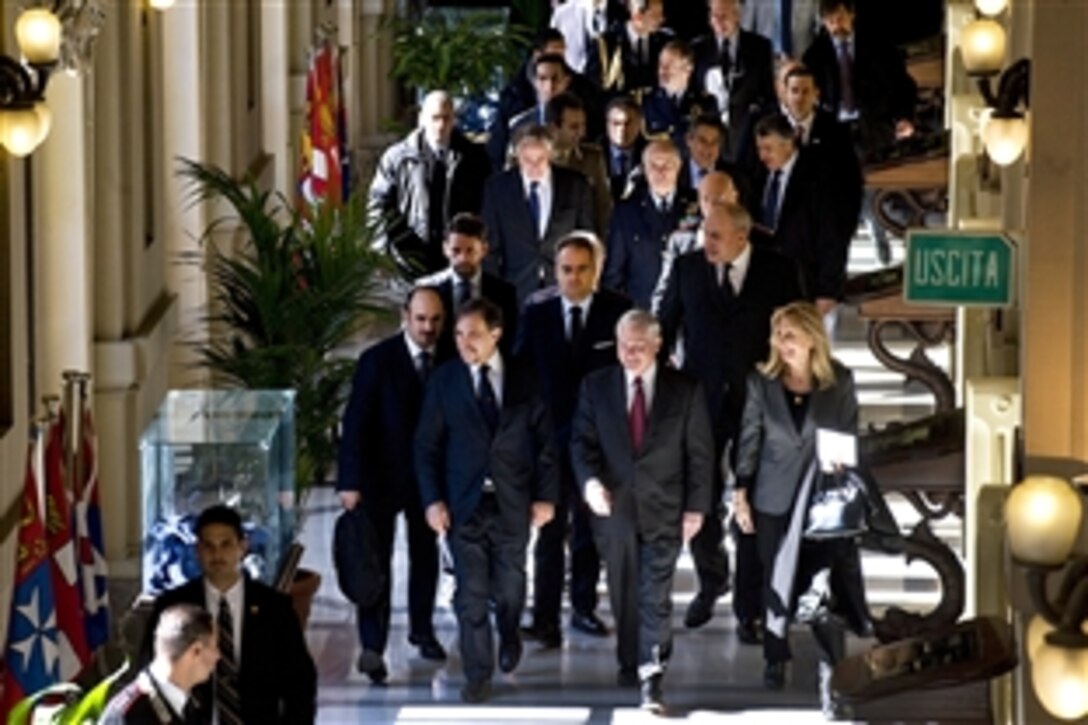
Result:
{"points": [[476, 691], [652, 699], [627, 677], [509, 653], [749, 631], [371, 664], [589, 623], [429, 648], [700, 611], [548, 637], [774, 675]]}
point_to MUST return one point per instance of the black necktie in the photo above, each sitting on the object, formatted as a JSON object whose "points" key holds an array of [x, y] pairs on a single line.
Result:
{"points": [[424, 365], [228, 704], [847, 101], [624, 162], [770, 201], [663, 206], [785, 27], [575, 324], [464, 291], [640, 51], [726, 285], [534, 207], [436, 211], [726, 62], [485, 396]]}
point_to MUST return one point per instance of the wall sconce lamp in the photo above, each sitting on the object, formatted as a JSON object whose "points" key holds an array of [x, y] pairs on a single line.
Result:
{"points": [[982, 44], [24, 118], [1043, 515]]}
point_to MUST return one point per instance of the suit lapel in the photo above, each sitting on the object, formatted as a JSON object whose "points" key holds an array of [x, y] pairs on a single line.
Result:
{"points": [[659, 408], [617, 403]]}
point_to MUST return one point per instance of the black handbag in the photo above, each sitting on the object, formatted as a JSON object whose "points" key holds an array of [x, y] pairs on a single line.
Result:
{"points": [[838, 505], [355, 545]]}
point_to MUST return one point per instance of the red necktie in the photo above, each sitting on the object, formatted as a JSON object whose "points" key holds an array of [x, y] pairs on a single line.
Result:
{"points": [[636, 421]]}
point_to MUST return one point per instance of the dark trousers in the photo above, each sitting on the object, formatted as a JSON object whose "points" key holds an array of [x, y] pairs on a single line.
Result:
{"points": [[708, 546], [748, 578], [373, 621], [550, 560], [489, 566], [813, 557], [640, 575]]}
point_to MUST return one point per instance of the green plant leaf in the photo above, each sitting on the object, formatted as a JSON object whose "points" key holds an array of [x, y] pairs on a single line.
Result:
{"points": [[20, 714], [90, 706]]}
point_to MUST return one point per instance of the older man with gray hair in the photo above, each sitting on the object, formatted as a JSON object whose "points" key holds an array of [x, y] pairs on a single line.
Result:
{"points": [[648, 485], [422, 182]]}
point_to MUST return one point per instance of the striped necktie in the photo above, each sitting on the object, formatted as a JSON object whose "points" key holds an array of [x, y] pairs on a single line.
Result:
{"points": [[228, 703]]}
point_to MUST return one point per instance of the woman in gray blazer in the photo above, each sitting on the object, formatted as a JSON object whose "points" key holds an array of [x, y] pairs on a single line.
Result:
{"points": [[799, 389]]}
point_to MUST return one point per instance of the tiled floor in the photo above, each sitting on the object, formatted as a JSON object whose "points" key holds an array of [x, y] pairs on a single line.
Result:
{"points": [[712, 679]]}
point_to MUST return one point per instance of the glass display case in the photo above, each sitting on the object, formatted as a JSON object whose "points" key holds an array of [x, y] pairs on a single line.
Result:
{"points": [[217, 446]]}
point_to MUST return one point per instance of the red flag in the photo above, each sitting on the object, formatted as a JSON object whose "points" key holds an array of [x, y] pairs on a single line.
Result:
{"points": [[320, 179], [60, 533], [30, 654], [91, 544]]}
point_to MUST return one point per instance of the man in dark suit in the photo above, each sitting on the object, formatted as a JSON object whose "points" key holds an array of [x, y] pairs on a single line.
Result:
{"points": [[486, 471], [641, 225], [675, 100], [550, 78], [265, 673], [703, 156], [466, 248], [820, 136], [624, 144], [720, 299], [863, 81], [185, 655], [627, 53], [565, 338], [421, 182], [529, 208], [643, 455], [736, 67], [801, 211], [375, 472]]}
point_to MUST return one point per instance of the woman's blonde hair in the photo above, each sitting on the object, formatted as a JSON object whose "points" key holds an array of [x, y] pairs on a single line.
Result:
{"points": [[804, 317]]}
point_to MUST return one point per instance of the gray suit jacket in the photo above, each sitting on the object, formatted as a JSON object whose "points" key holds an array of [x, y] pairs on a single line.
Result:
{"points": [[760, 16], [771, 454], [672, 474]]}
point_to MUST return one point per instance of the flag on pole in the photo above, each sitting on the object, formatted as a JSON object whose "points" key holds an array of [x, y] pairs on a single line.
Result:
{"points": [[60, 534], [90, 544], [321, 177], [30, 653]]}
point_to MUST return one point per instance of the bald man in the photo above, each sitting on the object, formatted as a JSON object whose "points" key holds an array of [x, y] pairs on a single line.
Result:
{"points": [[717, 187], [421, 182], [719, 299]]}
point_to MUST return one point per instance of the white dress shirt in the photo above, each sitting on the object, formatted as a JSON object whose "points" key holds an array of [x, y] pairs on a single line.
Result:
{"points": [[175, 697], [738, 269], [567, 305], [236, 600], [544, 193], [649, 382], [414, 351], [494, 376], [783, 181]]}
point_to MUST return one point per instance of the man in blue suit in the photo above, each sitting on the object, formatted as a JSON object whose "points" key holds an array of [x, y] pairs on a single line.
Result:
{"points": [[375, 472], [641, 225], [566, 337], [486, 471]]}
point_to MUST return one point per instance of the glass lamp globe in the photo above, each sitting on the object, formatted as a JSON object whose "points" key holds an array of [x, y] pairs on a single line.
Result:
{"points": [[38, 33], [991, 8], [1005, 138], [19, 130], [1043, 515], [162, 4], [982, 43], [1060, 678], [1038, 629]]}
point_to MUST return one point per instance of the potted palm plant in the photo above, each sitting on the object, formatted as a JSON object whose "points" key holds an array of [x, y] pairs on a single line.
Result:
{"points": [[299, 288]]}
